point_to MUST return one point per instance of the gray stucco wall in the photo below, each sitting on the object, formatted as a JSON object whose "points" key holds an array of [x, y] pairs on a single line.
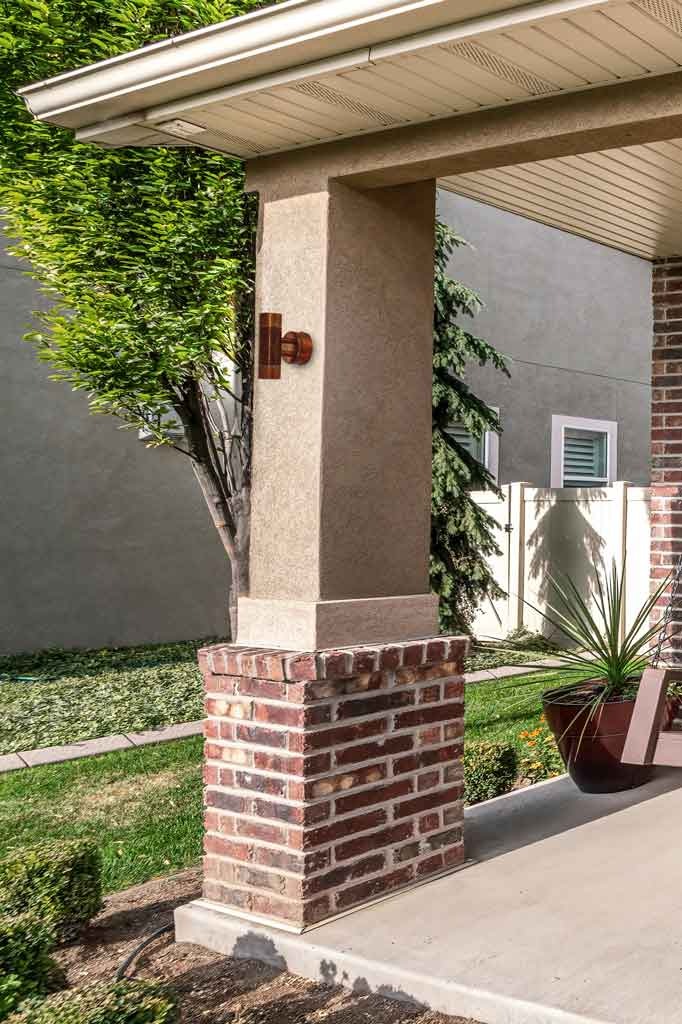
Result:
{"points": [[105, 542], [560, 301], [102, 541]]}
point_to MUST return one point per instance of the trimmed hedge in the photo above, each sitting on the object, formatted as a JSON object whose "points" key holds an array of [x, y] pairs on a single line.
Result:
{"points": [[59, 882], [26, 967], [490, 769], [123, 1002]]}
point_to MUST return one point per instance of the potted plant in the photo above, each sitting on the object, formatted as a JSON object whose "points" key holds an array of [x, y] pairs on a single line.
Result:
{"points": [[590, 714]]}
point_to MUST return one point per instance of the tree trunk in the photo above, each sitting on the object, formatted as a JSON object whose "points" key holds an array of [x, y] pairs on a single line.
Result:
{"points": [[230, 512], [239, 564], [234, 538]]}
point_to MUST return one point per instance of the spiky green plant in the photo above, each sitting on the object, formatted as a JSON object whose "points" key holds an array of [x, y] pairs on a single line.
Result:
{"points": [[601, 653], [613, 660]]}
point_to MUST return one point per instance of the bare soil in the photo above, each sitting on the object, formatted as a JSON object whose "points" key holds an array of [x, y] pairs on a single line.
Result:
{"points": [[214, 989]]}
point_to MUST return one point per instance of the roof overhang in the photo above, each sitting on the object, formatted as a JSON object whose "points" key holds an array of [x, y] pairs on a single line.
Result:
{"points": [[135, 98], [303, 73]]}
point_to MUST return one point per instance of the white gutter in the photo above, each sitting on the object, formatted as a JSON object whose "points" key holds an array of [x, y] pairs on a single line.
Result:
{"points": [[275, 45], [474, 28]]}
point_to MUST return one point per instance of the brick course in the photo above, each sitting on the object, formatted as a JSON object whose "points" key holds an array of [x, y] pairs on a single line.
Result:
{"points": [[331, 778], [666, 434]]}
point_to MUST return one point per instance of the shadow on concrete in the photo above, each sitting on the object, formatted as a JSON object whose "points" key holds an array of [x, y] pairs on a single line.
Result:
{"points": [[530, 815], [254, 946]]}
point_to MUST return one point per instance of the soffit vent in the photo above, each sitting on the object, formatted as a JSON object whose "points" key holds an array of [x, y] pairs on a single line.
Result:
{"points": [[326, 94], [669, 13], [500, 67], [237, 143]]}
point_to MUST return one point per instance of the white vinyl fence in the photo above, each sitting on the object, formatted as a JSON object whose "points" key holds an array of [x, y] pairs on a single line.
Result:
{"points": [[562, 530]]}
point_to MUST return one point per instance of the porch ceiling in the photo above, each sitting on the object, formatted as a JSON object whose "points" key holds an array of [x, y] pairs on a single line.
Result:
{"points": [[629, 198]]}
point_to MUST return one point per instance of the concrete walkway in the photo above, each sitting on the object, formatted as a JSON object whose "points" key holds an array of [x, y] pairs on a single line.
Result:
{"points": [[572, 914], [103, 745], [484, 675]]}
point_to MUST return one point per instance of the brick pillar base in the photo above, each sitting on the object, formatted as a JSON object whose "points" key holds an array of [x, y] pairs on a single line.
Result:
{"points": [[331, 778], [666, 549], [666, 437]]}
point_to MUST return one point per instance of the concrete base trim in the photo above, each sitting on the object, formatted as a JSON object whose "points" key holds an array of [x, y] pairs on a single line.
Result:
{"points": [[321, 625], [208, 925]]}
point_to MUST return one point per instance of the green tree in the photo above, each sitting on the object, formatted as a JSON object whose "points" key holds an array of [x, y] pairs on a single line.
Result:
{"points": [[147, 258], [462, 533], [145, 254]]}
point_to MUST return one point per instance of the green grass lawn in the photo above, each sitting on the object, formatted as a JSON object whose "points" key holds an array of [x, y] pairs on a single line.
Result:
{"points": [[143, 806], [500, 710], [55, 697]]}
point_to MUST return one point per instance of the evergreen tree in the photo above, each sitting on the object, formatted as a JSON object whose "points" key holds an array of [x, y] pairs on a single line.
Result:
{"points": [[462, 533], [147, 256]]}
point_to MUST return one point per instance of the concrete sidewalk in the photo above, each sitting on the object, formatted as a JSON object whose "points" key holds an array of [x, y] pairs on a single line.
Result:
{"points": [[571, 914], [485, 675], [92, 748]]}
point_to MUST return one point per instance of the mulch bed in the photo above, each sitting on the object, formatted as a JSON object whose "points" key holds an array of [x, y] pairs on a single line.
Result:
{"points": [[214, 989]]}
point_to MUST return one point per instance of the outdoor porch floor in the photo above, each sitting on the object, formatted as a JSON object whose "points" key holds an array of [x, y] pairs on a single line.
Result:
{"points": [[572, 912]]}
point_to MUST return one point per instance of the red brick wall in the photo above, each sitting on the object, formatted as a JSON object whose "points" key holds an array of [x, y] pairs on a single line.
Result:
{"points": [[666, 428], [333, 778]]}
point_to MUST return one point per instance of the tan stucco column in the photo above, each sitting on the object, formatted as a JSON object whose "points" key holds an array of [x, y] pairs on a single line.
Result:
{"points": [[342, 445], [334, 726]]}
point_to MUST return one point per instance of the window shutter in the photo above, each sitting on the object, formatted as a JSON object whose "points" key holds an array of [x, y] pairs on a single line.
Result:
{"points": [[585, 458], [474, 445]]}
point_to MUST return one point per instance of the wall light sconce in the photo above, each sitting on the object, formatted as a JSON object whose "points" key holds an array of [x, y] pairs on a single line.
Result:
{"points": [[296, 347]]}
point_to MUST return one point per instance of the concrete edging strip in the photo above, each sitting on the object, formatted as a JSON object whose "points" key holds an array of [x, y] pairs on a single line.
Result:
{"points": [[102, 745], [125, 741], [486, 675]]}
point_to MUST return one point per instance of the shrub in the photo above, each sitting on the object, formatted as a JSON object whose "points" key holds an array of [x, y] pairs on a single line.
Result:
{"points": [[529, 640], [540, 758], [123, 1002], [490, 769], [26, 967], [59, 882]]}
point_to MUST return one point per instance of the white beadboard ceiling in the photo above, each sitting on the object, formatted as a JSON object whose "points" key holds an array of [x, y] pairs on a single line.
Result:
{"points": [[630, 198]]}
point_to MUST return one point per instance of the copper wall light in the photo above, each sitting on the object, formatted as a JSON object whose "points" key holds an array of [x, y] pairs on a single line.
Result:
{"points": [[295, 347]]}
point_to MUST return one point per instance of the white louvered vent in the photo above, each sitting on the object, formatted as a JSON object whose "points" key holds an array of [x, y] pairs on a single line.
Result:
{"points": [[664, 11], [500, 67], [326, 94], [585, 458]]}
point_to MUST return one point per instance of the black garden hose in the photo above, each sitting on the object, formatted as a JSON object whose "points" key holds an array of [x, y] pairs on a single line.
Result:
{"points": [[121, 971]]}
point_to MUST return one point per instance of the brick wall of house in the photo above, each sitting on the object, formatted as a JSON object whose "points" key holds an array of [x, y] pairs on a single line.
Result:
{"points": [[666, 433], [331, 778]]}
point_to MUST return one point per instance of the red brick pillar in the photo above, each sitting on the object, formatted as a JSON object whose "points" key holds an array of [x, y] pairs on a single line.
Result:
{"points": [[666, 434], [331, 778]]}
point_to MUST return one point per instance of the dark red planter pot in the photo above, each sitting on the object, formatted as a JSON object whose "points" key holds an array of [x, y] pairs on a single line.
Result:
{"points": [[592, 752]]}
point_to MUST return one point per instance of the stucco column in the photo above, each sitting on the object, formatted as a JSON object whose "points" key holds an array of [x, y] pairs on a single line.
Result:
{"points": [[335, 724], [342, 466]]}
